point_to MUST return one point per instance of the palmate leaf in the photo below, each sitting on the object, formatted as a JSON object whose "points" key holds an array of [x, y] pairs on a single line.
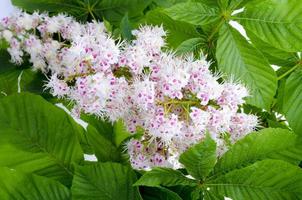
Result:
{"points": [[37, 137], [268, 143], [164, 177], [194, 13], [292, 101], [17, 185], [276, 22], [200, 159], [265, 180], [237, 58], [108, 181]]}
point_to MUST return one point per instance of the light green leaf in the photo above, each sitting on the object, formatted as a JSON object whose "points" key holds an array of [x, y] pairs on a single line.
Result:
{"points": [[177, 31], [120, 133], [164, 177], [275, 56], [37, 137], [104, 181], [239, 59], [193, 13], [279, 23], [199, 160], [190, 46], [270, 143], [292, 101], [265, 180], [17, 185], [126, 28]]}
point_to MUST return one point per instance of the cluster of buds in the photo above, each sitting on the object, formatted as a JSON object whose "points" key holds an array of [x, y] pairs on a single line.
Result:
{"points": [[175, 100]]}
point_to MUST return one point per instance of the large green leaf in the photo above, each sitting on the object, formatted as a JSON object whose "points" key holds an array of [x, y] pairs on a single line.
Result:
{"points": [[292, 101], [193, 13], [265, 180], [268, 143], [275, 56], [17, 185], [200, 159], [239, 59], [104, 181], [279, 23], [164, 177], [17, 78], [36, 136], [177, 31]]}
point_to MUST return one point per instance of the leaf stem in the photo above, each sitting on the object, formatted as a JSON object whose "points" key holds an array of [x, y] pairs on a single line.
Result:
{"points": [[289, 71]]}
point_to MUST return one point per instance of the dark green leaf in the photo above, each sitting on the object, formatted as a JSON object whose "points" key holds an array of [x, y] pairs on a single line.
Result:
{"points": [[164, 177], [200, 159], [159, 193], [177, 31], [190, 46], [104, 181]]}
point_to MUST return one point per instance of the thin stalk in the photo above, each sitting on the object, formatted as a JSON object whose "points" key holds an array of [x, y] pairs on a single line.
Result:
{"points": [[288, 72]]}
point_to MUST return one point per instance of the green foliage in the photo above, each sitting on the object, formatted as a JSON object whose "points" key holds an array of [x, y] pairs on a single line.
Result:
{"points": [[200, 159], [41, 137], [15, 78], [292, 101], [200, 14], [18, 185], [165, 177], [104, 181], [276, 22], [263, 165], [240, 59]]}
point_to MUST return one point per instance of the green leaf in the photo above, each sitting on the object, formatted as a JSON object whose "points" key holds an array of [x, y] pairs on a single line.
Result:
{"points": [[265, 180], [115, 10], [14, 78], [164, 177], [177, 31], [104, 149], [193, 13], [268, 143], [104, 181], [190, 46], [159, 193], [239, 59], [292, 101], [120, 133], [200, 159], [275, 56], [276, 22], [37, 137], [17, 185], [126, 28]]}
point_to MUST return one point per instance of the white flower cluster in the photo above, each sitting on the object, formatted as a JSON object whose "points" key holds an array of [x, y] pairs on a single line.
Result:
{"points": [[175, 100]]}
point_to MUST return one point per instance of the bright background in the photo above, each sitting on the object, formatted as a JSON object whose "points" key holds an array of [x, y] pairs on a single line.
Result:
{"points": [[5, 8]]}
